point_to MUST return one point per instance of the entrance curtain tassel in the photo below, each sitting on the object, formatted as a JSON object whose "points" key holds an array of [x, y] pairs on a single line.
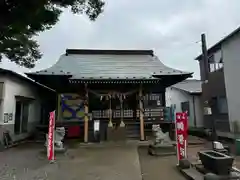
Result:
{"points": [[110, 124], [121, 109]]}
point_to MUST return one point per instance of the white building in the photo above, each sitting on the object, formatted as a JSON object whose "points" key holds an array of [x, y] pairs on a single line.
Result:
{"points": [[186, 96], [221, 87], [22, 105]]}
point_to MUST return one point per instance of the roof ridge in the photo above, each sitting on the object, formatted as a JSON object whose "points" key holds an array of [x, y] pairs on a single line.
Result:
{"points": [[96, 66], [110, 51]]}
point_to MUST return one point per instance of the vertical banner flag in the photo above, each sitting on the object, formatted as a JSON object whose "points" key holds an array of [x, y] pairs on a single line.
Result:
{"points": [[50, 146], [181, 135]]}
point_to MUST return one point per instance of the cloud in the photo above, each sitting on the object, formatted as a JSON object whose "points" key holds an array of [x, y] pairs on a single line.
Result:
{"points": [[170, 27]]}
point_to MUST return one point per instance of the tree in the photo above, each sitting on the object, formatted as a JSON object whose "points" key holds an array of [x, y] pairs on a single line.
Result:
{"points": [[21, 20]]}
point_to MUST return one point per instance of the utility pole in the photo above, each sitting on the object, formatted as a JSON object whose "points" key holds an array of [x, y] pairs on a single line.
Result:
{"points": [[205, 56], [206, 72]]}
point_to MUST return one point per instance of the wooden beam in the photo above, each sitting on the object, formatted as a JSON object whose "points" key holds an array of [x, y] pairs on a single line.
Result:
{"points": [[141, 114], [86, 115]]}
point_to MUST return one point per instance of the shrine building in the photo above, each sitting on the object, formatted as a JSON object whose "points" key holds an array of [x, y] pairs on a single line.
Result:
{"points": [[124, 90]]}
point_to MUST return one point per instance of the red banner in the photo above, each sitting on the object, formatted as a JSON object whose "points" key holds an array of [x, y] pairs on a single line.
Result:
{"points": [[181, 134], [50, 148]]}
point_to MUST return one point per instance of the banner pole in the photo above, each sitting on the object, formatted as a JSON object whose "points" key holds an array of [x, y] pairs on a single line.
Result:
{"points": [[50, 145], [53, 139]]}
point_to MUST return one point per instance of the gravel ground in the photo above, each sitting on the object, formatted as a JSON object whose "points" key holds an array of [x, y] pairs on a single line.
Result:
{"points": [[109, 162], [155, 168], [20, 160]]}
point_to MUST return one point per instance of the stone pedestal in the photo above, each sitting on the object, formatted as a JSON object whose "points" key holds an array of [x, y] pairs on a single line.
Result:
{"points": [[58, 150], [59, 134], [162, 145], [161, 150]]}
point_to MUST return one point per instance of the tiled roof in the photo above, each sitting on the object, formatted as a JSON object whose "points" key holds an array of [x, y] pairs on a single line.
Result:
{"points": [[105, 64], [24, 78], [190, 86]]}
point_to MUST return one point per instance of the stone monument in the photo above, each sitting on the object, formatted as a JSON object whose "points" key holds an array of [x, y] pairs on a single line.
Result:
{"points": [[162, 144], [59, 134]]}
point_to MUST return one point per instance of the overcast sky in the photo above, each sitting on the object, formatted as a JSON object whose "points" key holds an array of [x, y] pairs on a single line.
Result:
{"points": [[172, 28]]}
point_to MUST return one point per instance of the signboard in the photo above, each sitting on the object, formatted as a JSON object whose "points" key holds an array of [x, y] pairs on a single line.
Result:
{"points": [[181, 134], [96, 126], [5, 117], [50, 146]]}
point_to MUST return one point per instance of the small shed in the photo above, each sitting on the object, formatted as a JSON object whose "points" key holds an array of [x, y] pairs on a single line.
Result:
{"points": [[186, 96]]}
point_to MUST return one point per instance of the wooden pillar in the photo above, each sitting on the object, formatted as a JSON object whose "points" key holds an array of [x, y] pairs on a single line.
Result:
{"points": [[86, 115], [164, 98], [141, 114]]}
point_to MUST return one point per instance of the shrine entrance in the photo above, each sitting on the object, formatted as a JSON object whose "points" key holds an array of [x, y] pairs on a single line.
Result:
{"points": [[117, 113]]}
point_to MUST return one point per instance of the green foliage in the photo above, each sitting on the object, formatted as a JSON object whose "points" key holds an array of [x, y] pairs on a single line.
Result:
{"points": [[21, 20]]}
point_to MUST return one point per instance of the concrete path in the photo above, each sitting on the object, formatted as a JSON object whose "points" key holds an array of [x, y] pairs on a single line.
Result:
{"points": [[106, 162]]}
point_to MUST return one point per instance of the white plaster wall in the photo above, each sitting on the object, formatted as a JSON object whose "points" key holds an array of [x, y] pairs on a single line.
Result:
{"points": [[12, 87], [231, 60], [217, 56], [174, 96]]}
